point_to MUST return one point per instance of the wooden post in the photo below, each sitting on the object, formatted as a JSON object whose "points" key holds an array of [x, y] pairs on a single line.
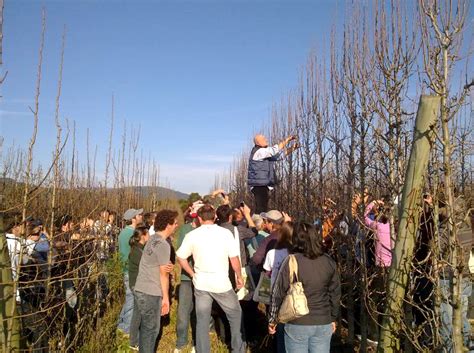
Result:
{"points": [[428, 111], [10, 334]]}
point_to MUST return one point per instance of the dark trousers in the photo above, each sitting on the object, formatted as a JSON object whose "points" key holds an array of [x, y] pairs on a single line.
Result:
{"points": [[261, 194]]}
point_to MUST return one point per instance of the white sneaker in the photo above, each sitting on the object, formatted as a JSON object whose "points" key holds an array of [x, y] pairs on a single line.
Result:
{"points": [[193, 350]]}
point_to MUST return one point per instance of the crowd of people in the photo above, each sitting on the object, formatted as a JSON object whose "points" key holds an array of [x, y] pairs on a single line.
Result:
{"points": [[222, 252], [235, 264], [51, 268]]}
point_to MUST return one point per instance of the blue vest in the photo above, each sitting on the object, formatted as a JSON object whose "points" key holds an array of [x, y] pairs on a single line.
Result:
{"points": [[261, 173]]}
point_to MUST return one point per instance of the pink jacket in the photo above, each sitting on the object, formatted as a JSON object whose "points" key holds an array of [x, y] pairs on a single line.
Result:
{"points": [[383, 244]]}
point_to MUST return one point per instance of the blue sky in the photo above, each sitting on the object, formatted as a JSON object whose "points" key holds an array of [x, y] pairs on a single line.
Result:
{"points": [[199, 77]]}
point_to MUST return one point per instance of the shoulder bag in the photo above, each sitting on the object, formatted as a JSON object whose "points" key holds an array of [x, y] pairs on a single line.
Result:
{"points": [[294, 304]]}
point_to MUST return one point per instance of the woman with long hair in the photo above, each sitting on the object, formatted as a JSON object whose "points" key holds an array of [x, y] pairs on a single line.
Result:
{"points": [[320, 278]]}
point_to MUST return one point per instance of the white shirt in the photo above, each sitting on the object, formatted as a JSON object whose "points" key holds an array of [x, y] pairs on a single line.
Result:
{"points": [[151, 231], [266, 152], [273, 261], [211, 247]]}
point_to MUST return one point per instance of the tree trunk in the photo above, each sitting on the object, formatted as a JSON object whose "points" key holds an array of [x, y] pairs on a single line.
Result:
{"points": [[10, 335], [428, 110]]}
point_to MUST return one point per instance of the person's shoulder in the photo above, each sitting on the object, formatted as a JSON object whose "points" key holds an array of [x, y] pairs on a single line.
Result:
{"points": [[328, 260], [126, 231], [156, 241], [185, 228], [271, 252], [224, 231]]}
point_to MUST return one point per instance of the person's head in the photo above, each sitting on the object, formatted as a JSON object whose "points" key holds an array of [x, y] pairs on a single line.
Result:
{"points": [[258, 220], [149, 218], [33, 232], [308, 240], [104, 215], [86, 223], [273, 219], [166, 222], [237, 216], [206, 214], [140, 236], [133, 217], [285, 235], [382, 214], [112, 217], [260, 141], [187, 216], [65, 223], [224, 214], [15, 228]]}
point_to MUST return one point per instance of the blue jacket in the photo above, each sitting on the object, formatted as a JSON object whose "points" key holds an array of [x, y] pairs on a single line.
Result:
{"points": [[261, 173]]}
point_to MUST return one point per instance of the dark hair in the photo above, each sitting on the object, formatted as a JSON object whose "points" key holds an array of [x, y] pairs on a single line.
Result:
{"points": [[137, 235], [63, 220], [32, 230], [235, 214], [223, 213], [206, 213], [148, 218], [285, 235], [381, 215], [164, 218], [308, 240], [187, 216]]}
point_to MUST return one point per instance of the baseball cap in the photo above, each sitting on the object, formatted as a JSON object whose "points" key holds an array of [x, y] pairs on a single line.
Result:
{"points": [[130, 213], [274, 216]]}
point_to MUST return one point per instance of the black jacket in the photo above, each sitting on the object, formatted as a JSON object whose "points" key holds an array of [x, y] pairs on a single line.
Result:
{"points": [[321, 285]]}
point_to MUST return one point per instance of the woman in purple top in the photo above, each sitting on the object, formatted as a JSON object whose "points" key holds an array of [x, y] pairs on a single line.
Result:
{"points": [[381, 227]]}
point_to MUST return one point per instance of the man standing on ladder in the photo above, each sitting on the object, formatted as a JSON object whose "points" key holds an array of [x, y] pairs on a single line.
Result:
{"points": [[261, 170]]}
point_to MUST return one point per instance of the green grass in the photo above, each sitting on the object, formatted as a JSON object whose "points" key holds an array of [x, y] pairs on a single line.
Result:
{"points": [[168, 339]]}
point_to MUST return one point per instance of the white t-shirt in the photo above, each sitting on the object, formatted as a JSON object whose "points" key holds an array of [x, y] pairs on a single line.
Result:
{"points": [[151, 231], [273, 261], [211, 247]]}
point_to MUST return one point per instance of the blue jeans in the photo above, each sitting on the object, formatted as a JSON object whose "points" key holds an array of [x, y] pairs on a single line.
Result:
{"points": [[230, 305], [185, 309], [135, 322], [127, 309], [149, 307], [308, 338], [446, 311]]}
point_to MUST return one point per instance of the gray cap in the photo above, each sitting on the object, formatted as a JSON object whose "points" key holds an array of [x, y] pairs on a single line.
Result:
{"points": [[273, 216], [130, 213]]}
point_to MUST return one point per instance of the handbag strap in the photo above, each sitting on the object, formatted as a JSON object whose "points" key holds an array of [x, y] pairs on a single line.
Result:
{"points": [[293, 268]]}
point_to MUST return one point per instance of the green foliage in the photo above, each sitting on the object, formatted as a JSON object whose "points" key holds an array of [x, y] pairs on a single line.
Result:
{"points": [[193, 197]]}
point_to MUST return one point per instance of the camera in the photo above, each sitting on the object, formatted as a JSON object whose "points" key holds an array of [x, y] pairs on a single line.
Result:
{"points": [[242, 204]]}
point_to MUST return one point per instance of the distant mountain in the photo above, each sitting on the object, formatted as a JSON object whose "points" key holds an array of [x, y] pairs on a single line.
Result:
{"points": [[161, 192]]}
